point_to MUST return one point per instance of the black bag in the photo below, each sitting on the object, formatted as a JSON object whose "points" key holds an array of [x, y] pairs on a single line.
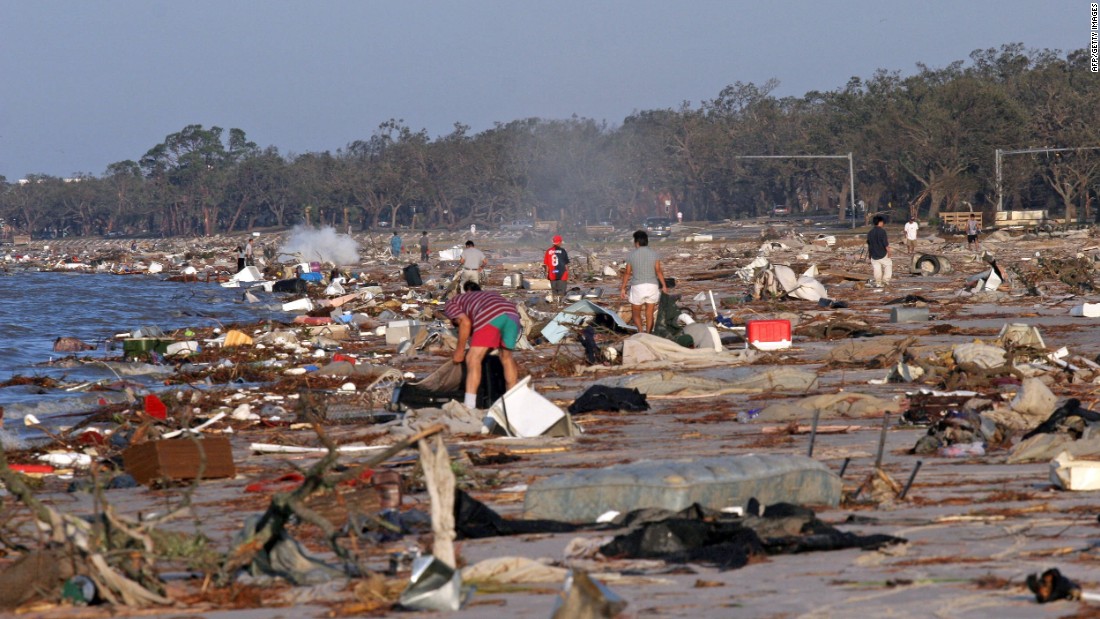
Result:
{"points": [[490, 390], [295, 285], [412, 275]]}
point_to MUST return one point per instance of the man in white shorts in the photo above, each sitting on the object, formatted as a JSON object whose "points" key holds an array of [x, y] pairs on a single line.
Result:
{"points": [[646, 279]]}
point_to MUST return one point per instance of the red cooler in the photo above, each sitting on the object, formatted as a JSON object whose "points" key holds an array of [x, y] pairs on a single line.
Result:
{"points": [[769, 334]]}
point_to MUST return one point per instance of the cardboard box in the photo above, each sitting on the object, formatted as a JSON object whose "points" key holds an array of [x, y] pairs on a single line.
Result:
{"points": [[179, 459]]}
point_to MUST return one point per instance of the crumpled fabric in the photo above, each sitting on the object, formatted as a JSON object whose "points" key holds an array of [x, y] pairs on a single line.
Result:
{"points": [[981, 355], [671, 383], [845, 404], [605, 398], [644, 350]]}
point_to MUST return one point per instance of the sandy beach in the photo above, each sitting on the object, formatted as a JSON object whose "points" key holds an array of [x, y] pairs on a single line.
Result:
{"points": [[976, 526]]}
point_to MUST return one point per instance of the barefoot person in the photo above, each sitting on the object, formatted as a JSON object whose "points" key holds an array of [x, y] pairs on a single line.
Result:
{"points": [[486, 320], [646, 279]]}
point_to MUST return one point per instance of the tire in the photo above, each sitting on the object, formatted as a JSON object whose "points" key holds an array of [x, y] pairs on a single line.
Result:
{"points": [[928, 265]]}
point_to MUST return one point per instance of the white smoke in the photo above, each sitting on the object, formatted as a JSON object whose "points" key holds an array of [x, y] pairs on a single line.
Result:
{"points": [[323, 245]]}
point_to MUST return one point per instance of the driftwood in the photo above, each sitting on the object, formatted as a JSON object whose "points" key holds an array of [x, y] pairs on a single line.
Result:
{"points": [[84, 546], [271, 527]]}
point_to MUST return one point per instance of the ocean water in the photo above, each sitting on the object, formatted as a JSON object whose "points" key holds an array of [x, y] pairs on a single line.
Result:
{"points": [[38, 307]]}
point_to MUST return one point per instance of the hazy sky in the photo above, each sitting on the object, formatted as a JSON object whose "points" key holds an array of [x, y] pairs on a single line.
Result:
{"points": [[85, 84]]}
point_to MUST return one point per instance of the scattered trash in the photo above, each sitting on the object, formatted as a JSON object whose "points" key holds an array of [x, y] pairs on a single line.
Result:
{"points": [[179, 460]]}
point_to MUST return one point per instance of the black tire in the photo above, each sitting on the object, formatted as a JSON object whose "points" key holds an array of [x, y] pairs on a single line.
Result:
{"points": [[928, 265]]}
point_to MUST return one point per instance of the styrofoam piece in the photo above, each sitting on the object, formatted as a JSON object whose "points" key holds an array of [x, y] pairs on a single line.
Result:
{"points": [[155, 267], [1021, 334], [454, 253], [398, 331], [1088, 310], [528, 413], [300, 305], [178, 348], [248, 274], [1070, 474], [705, 336]]}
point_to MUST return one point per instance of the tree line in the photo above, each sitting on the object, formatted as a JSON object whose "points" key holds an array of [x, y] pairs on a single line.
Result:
{"points": [[921, 143]]}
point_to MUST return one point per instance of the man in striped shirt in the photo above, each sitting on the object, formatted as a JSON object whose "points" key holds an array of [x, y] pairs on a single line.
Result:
{"points": [[487, 320]]}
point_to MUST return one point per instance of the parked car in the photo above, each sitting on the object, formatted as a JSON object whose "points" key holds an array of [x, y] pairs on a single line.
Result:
{"points": [[658, 226], [780, 210]]}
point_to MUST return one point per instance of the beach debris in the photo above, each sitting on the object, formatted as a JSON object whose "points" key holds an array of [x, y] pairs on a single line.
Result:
{"points": [[71, 344], [581, 496], [179, 459], [583, 597]]}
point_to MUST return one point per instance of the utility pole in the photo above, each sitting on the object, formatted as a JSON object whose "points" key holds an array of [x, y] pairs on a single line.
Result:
{"points": [[851, 172]]}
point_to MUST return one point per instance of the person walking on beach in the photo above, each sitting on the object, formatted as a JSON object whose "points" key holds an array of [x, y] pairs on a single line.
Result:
{"points": [[973, 229], [473, 262], [240, 258], [878, 248], [555, 263], [646, 278], [486, 320], [424, 246], [395, 245], [911, 234]]}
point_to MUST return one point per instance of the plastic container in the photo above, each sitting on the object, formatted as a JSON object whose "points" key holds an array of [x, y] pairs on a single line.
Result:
{"points": [[716, 483], [401, 330], [769, 334], [141, 345], [311, 277]]}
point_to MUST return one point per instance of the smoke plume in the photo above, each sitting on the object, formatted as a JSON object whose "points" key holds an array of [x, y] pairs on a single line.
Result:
{"points": [[324, 245]]}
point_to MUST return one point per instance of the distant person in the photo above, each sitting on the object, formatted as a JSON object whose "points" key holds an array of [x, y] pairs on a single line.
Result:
{"points": [[878, 248], [240, 258], [473, 229], [679, 217], [911, 234], [424, 246], [555, 265], [973, 229], [473, 262], [487, 320], [249, 255], [646, 279], [395, 244]]}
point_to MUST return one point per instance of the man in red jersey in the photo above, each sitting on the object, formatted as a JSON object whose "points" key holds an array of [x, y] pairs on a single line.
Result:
{"points": [[555, 264]]}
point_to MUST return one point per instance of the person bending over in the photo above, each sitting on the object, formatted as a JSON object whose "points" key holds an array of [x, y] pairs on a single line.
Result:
{"points": [[486, 320]]}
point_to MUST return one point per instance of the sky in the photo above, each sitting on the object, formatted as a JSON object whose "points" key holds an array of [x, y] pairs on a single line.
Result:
{"points": [[86, 84]]}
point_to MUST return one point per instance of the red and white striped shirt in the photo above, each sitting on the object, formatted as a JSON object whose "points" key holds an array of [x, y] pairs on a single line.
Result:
{"points": [[481, 307]]}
